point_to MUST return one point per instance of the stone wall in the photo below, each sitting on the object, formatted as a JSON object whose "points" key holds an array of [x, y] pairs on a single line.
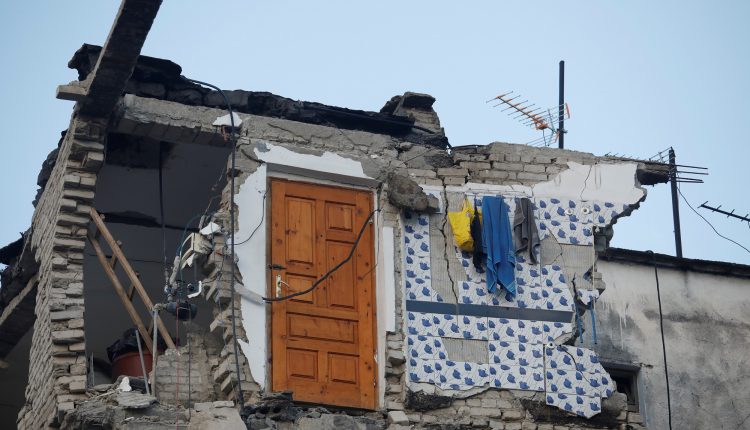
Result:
{"points": [[218, 289], [183, 375], [57, 375]]}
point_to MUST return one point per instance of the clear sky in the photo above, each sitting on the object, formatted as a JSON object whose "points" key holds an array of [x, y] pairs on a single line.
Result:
{"points": [[640, 76]]}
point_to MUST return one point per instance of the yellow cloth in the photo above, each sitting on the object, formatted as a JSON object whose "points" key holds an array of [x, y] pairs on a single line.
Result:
{"points": [[461, 226]]}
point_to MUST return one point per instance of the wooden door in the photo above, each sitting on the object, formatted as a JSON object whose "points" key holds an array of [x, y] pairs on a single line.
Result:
{"points": [[323, 343]]}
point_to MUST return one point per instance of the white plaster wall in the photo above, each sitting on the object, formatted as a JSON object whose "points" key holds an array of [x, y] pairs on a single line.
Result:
{"points": [[601, 181], [707, 332], [252, 264]]}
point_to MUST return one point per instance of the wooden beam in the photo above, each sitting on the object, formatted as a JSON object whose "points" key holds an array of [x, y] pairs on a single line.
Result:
{"points": [[118, 58], [121, 292], [116, 251]]}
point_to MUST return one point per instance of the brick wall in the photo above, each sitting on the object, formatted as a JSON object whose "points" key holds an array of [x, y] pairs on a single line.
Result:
{"points": [[223, 366], [183, 375], [57, 373]]}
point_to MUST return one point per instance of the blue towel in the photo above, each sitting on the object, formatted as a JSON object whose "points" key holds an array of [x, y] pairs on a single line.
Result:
{"points": [[497, 240]]}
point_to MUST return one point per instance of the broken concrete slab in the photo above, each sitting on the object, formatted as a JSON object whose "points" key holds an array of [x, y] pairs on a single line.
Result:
{"points": [[216, 419], [405, 193], [133, 400], [398, 417]]}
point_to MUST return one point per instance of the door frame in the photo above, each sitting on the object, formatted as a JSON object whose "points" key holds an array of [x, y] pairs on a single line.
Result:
{"points": [[270, 283]]}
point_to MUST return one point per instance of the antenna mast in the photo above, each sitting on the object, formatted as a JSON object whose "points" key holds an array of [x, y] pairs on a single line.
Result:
{"points": [[561, 114], [538, 118]]}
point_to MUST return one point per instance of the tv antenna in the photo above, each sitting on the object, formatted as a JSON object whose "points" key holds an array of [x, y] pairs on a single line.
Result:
{"points": [[678, 173], [538, 118], [718, 209]]}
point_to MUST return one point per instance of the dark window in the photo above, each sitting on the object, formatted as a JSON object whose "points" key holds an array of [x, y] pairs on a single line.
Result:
{"points": [[627, 383]]}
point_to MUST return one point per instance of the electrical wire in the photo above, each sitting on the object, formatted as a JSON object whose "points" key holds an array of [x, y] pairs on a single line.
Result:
{"points": [[231, 232], [331, 271], [709, 224], [262, 217], [593, 319], [163, 225], [663, 343]]}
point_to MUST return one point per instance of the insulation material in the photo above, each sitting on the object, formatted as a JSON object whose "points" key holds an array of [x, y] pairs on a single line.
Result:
{"points": [[474, 351]]}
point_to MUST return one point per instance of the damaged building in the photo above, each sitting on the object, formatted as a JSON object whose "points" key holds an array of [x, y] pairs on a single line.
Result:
{"points": [[202, 258]]}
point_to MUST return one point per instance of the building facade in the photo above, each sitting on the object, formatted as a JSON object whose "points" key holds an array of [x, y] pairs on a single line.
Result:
{"points": [[317, 249]]}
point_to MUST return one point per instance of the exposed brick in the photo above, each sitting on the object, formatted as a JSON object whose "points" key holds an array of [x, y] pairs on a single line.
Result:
{"points": [[67, 336], [66, 315], [452, 171], [494, 174], [534, 168], [511, 167], [454, 180], [475, 165], [526, 176], [78, 194]]}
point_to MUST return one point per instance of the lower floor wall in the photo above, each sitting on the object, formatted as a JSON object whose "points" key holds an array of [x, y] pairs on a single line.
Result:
{"points": [[488, 409]]}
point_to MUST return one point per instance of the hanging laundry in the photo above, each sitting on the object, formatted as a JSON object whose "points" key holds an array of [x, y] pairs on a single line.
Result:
{"points": [[476, 235], [498, 244], [525, 233], [461, 226]]}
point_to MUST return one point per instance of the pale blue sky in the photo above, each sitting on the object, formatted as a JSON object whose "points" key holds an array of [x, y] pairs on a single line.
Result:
{"points": [[640, 76]]}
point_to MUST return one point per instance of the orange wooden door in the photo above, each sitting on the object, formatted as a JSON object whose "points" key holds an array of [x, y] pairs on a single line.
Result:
{"points": [[323, 346]]}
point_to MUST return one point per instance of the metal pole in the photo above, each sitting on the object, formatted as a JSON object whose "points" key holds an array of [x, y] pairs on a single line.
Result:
{"points": [[561, 115], [154, 353], [675, 203], [143, 365]]}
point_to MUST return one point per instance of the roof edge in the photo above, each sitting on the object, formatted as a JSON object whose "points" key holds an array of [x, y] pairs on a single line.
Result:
{"points": [[723, 268]]}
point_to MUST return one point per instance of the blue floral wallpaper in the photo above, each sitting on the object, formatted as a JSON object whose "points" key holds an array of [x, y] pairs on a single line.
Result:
{"points": [[520, 331]]}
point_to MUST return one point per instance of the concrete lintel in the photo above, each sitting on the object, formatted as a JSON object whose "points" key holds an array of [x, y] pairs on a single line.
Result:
{"points": [[167, 121], [75, 91]]}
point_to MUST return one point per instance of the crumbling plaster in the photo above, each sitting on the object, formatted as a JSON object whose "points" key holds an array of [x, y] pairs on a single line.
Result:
{"points": [[583, 185], [615, 182], [270, 146], [323, 153]]}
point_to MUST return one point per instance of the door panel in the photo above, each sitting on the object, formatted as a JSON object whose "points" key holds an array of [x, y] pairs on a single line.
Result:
{"points": [[323, 344]]}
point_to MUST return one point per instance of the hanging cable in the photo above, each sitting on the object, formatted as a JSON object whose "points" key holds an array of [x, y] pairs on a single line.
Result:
{"points": [[231, 233], [663, 343], [163, 225], [260, 223], [334, 269], [709, 224], [593, 319]]}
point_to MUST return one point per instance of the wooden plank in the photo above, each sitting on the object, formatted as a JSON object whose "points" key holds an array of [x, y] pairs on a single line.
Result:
{"points": [[130, 274], [121, 292], [278, 314], [364, 259]]}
